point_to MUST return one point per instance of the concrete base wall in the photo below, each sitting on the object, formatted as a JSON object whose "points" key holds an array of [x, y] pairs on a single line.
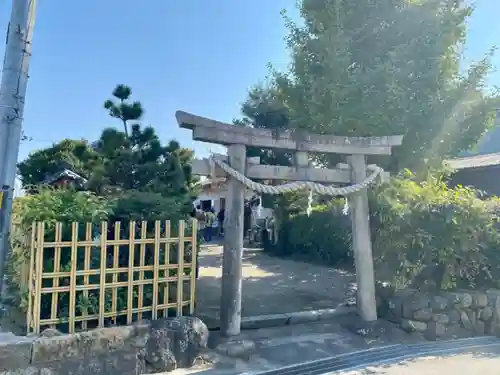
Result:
{"points": [[145, 347]]}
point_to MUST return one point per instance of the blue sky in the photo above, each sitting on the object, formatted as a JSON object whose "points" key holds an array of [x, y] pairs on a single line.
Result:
{"points": [[200, 56]]}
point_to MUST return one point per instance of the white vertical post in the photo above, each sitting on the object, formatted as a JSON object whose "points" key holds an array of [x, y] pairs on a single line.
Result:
{"points": [[230, 307], [12, 95], [363, 256]]}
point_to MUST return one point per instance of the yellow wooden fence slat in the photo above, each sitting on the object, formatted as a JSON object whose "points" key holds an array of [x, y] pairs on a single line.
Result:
{"points": [[180, 262], [86, 297], [31, 276], [86, 267], [102, 282], [156, 269], [130, 289], [72, 280], [116, 258], [142, 260], [194, 258], [38, 276], [56, 268], [168, 230]]}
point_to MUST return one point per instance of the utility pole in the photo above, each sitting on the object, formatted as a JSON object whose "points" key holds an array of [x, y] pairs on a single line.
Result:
{"points": [[12, 94]]}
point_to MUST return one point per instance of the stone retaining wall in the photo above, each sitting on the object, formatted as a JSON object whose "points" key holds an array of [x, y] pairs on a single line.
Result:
{"points": [[443, 315], [145, 347]]}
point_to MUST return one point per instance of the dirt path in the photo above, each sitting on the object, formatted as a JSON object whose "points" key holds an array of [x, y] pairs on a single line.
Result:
{"points": [[272, 285]]}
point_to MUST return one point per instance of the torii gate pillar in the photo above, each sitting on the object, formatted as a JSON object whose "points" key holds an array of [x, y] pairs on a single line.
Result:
{"points": [[362, 244], [232, 263]]}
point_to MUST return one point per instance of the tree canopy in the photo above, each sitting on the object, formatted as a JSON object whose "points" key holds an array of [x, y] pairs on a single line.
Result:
{"points": [[119, 161], [76, 154], [376, 68], [123, 109]]}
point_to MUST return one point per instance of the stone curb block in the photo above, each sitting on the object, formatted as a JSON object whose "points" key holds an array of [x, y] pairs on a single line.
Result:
{"points": [[125, 350], [299, 317], [237, 349], [242, 349]]}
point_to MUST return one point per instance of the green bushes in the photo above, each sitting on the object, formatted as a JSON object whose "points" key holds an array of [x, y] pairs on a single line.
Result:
{"points": [[429, 236], [51, 206], [67, 206], [322, 237], [424, 235]]}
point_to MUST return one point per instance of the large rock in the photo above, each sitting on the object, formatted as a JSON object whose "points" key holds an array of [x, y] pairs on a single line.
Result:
{"points": [[175, 342], [480, 300], [465, 300], [480, 328], [486, 314], [15, 351], [454, 316], [439, 303], [383, 292], [83, 344], [413, 303], [119, 362], [434, 330], [413, 326], [423, 315], [466, 322], [164, 344], [493, 296], [395, 309], [441, 318]]}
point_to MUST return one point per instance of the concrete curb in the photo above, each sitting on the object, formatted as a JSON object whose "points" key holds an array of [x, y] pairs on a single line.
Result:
{"points": [[238, 348], [299, 317]]}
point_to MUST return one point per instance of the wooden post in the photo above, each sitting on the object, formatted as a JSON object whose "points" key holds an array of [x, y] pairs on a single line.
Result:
{"points": [[230, 307], [363, 256]]}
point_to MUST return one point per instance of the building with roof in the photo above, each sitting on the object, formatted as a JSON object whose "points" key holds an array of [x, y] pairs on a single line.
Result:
{"points": [[480, 169], [481, 172], [214, 194]]}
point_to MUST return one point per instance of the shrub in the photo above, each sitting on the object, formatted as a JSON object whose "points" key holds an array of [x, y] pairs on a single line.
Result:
{"points": [[66, 206], [424, 234], [429, 236], [321, 237], [50, 206]]}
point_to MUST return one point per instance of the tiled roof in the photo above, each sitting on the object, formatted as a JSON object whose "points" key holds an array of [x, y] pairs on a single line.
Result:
{"points": [[478, 161], [65, 173]]}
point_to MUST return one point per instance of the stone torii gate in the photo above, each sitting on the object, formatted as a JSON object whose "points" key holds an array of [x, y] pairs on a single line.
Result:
{"points": [[241, 172]]}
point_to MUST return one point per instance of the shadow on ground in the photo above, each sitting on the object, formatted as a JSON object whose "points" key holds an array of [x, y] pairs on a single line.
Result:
{"points": [[271, 285]]}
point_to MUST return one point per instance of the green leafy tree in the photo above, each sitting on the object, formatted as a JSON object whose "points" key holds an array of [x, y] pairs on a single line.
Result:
{"points": [[262, 110], [77, 155], [119, 161], [386, 67], [123, 109], [141, 163]]}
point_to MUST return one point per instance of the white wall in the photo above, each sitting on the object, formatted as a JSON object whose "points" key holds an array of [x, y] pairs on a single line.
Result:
{"points": [[18, 189]]}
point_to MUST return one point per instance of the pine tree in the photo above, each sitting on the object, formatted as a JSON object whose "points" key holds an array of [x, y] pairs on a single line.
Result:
{"points": [[124, 110]]}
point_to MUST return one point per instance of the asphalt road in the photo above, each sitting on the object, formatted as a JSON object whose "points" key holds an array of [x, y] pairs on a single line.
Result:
{"points": [[319, 352], [463, 364]]}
